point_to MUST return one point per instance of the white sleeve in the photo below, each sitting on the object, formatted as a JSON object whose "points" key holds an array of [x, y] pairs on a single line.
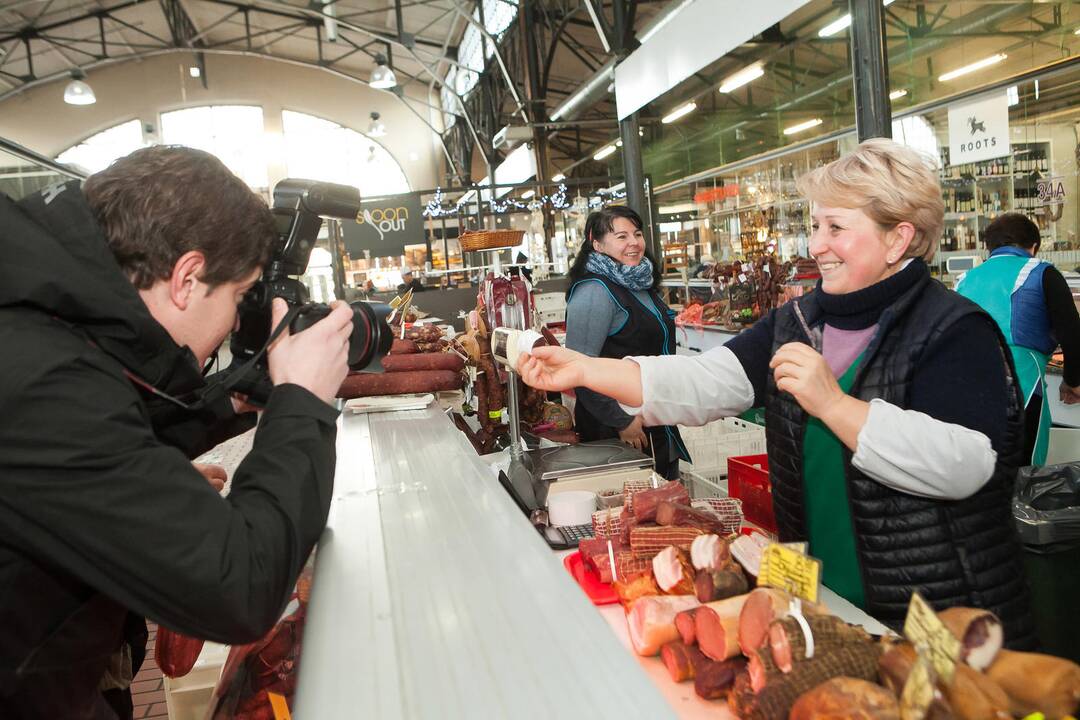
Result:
{"points": [[692, 389], [912, 452]]}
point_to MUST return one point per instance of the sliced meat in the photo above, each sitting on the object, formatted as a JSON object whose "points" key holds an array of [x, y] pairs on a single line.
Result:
{"points": [[979, 632], [651, 621], [681, 660], [717, 627]]}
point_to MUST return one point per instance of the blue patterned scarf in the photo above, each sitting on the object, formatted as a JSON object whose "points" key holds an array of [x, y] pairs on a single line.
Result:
{"points": [[633, 277]]}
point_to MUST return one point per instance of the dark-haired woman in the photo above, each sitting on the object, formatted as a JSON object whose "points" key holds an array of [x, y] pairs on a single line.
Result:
{"points": [[614, 311]]}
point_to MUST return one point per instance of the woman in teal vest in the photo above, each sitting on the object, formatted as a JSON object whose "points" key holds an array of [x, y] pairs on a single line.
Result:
{"points": [[1033, 306]]}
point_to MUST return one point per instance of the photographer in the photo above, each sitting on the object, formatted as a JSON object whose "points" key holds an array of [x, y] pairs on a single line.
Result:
{"points": [[112, 298]]}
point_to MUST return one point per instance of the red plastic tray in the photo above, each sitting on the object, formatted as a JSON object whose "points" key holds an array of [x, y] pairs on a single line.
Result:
{"points": [[600, 593]]}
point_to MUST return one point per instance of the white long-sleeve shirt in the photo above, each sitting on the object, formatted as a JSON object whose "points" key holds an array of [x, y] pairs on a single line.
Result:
{"points": [[905, 450]]}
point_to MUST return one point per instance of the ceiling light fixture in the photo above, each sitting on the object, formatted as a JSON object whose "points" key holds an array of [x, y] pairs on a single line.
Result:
{"points": [[679, 112], [382, 77], [979, 65], [78, 92], [747, 74], [527, 194], [194, 71], [604, 152], [842, 23], [897, 94], [803, 126], [559, 177], [376, 128]]}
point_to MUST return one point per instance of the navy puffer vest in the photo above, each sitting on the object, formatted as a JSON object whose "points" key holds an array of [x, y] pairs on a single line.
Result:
{"points": [[963, 552]]}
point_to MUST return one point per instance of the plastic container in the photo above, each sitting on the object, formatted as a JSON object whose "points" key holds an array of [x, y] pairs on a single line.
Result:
{"points": [[572, 507], [748, 480], [600, 593], [711, 445]]}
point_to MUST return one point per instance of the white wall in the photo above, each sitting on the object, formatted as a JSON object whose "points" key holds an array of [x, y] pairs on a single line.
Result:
{"points": [[40, 120]]}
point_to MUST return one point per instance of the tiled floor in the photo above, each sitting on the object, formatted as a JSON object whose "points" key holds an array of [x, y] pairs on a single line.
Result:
{"points": [[147, 692]]}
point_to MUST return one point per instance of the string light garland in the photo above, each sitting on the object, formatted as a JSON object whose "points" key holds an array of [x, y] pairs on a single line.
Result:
{"points": [[557, 200]]}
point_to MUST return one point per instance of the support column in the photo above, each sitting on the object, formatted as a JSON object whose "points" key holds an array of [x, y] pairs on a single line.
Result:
{"points": [[870, 68], [629, 131]]}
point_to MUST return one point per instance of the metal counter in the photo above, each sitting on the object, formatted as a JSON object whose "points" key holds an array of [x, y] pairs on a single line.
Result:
{"points": [[434, 598]]}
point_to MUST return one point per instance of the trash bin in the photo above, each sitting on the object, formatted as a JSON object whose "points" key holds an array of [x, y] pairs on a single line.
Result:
{"points": [[1046, 507]]}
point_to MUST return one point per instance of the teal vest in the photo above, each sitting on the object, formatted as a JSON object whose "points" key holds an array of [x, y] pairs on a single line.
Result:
{"points": [[991, 286]]}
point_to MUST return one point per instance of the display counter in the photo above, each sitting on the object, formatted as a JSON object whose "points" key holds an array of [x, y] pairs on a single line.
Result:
{"points": [[434, 598]]}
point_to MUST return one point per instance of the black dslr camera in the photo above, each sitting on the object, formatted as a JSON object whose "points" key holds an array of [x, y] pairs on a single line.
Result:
{"points": [[299, 209]]}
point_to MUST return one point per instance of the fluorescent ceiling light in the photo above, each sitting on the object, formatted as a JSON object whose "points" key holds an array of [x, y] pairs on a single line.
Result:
{"points": [[803, 126], [747, 74], [985, 62], [679, 112], [558, 178], [527, 194], [604, 152], [897, 94], [194, 71], [842, 23]]}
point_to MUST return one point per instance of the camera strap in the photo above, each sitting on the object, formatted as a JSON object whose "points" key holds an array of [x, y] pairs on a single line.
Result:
{"points": [[213, 387]]}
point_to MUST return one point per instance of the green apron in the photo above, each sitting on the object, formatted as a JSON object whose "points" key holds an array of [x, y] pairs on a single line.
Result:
{"points": [[828, 513], [991, 286]]}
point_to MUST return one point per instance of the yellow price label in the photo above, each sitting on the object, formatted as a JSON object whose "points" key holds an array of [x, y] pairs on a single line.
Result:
{"points": [[918, 691], [787, 569], [279, 706], [930, 636], [494, 414]]}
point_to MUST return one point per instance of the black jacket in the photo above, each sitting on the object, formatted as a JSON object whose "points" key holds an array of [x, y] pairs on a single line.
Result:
{"points": [[962, 552], [100, 514]]}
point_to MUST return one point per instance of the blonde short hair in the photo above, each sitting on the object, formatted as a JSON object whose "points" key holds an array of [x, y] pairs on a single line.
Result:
{"points": [[891, 183]]}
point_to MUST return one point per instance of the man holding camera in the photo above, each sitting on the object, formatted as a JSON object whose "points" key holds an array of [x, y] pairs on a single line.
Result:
{"points": [[112, 298]]}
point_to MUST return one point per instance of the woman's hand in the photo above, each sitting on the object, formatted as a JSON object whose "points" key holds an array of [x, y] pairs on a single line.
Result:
{"points": [[554, 369], [1068, 395], [634, 434], [803, 372]]}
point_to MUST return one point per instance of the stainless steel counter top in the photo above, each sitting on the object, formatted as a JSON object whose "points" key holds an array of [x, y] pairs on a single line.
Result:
{"points": [[434, 598]]}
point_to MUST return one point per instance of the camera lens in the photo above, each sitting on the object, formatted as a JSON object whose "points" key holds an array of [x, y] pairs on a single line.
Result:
{"points": [[371, 337]]}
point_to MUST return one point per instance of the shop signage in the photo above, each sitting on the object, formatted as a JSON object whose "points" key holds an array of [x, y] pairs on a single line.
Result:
{"points": [[385, 226], [1051, 191], [718, 194], [979, 130]]}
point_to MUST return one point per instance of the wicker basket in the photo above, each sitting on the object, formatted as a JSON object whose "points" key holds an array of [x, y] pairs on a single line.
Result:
{"points": [[475, 240]]}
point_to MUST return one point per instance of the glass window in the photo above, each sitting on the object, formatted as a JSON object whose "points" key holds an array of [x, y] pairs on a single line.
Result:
{"points": [[234, 133], [323, 150], [97, 152], [498, 16], [449, 101]]}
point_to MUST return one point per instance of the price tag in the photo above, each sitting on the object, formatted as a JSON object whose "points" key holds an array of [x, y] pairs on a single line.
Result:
{"points": [[495, 414], [279, 706], [742, 278], [925, 630], [789, 570], [918, 690]]}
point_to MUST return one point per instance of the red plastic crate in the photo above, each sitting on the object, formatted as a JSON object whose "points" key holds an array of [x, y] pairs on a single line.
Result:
{"points": [[748, 480]]}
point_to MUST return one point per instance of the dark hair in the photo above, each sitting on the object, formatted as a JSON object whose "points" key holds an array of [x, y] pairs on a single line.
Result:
{"points": [[597, 225], [1012, 229], [160, 202]]}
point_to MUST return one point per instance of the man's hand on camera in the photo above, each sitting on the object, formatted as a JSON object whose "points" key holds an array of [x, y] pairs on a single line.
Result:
{"points": [[315, 359]]}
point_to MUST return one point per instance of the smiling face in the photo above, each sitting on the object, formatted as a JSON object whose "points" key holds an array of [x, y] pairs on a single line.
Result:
{"points": [[625, 243], [852, 251]]}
